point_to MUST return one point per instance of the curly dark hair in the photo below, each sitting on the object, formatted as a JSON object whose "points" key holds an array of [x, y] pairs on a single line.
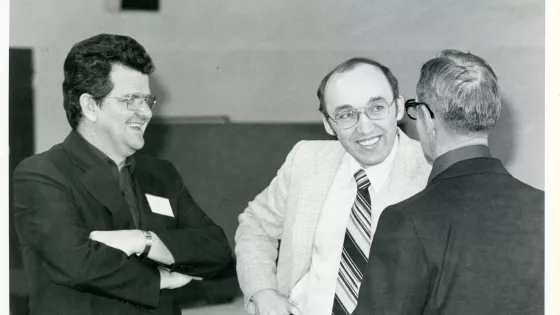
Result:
{"points": [[88, 66]]}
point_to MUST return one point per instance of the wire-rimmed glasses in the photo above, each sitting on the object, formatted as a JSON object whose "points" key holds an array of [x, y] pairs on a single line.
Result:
{"points": [[348, 118], [134, 101]]}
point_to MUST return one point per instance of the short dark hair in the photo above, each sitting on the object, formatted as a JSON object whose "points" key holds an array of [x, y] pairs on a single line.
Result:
{"points": [[463, 89], [88, 66], [349, 65]]}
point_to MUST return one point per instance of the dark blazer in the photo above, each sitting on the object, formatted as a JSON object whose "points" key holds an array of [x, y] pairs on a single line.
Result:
{"points": [[61, 195], [470, 243]]}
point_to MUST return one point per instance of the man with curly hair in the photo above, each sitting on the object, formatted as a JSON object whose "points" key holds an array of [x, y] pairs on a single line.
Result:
{"points": [[104, 230]]}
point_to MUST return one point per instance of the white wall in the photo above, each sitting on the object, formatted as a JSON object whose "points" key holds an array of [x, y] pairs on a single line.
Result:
{"points": [[261, 60]]}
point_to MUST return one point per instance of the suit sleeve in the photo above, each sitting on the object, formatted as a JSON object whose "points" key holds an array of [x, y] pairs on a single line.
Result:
{"points": [[49, 224], [397, 276], [260, 228], [199, 246]]}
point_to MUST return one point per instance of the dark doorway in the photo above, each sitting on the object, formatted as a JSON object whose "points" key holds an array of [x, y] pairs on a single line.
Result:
{"points": [[21, 141]]}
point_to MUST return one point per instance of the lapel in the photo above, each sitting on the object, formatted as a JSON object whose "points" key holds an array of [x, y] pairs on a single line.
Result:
{"points": [[97, 179], [402, 176], [146, 183], [315, 184]]}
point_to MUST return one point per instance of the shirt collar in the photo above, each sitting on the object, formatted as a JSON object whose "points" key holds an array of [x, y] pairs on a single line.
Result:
{"points": [[377, 174], [449, 158], [103, 158]]}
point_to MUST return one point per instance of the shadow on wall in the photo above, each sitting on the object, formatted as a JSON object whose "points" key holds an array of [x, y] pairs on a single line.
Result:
{"points": [[159, 90], [408, 126], [502, 137]]}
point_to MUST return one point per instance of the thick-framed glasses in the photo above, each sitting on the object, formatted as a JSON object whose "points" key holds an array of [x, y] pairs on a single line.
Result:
{"points": [[411, 107], [346, 119], [134, 101]]}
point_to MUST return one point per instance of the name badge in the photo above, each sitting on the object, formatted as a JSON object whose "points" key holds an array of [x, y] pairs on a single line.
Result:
{"points": [[160, 205]]}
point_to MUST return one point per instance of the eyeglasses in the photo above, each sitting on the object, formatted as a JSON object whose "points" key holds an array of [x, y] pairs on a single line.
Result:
{"points": [[134, 101], [412, 111], [349, 118]]}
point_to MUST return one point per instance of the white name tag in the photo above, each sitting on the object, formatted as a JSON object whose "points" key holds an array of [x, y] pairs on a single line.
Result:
{"points": [[160, 205]]}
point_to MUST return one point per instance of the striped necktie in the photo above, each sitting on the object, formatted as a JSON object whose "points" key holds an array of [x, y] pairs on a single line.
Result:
{"points": [[355, 251]]}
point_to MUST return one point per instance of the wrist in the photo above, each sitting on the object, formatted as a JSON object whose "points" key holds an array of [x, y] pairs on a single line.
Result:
{"points": [[257, 296], [146, 243], [139, 241]]}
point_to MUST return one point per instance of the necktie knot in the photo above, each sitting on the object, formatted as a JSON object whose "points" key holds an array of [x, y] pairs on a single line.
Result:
{"points": [[362, 180]]}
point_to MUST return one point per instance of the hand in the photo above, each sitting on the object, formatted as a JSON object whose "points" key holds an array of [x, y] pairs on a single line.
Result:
{"points": [[173, 280], [128, 241], [270, 302]]}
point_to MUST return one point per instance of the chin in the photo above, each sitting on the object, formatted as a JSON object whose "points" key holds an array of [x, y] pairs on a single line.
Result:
{"points": [[371, 159], [136, 145], [367, 162]]}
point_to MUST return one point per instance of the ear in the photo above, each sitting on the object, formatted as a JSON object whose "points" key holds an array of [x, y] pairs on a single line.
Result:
{"points": [[89, 106], [426, 120], [328, 127], [399, 103]]}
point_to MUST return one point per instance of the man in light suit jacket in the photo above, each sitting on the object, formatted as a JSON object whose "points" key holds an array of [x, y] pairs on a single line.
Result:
{"points": [[472, 241], [102, 229], [326, 198]]}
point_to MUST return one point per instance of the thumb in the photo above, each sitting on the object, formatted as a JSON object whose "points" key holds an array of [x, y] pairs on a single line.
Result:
{"points": [[187, 279]]}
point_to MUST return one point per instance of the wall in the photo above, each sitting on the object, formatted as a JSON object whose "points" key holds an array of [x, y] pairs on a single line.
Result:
{"points": [[261, 60]]}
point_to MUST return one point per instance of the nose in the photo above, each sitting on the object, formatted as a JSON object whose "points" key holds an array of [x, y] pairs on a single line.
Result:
{"points": [[144, 110], [365, 125]]}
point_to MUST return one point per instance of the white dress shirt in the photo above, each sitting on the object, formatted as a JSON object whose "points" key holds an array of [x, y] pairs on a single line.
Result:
{"points": [[314, 293]]}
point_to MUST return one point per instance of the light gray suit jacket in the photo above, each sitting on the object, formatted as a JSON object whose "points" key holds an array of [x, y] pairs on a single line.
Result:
{"points": [[288, 210]]}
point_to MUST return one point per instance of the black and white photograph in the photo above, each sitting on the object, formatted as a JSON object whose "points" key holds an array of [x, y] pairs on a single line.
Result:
{"points": [[179, 157]]}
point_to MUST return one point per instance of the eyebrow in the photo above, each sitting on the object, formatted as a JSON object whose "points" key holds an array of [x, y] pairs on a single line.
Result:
{"points": [[138, 94], [370, 101], [343, 107], [376, 99]]}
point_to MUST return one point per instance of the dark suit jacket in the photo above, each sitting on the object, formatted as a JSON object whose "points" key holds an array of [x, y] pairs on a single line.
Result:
{"points": [[61, 195], [470, 243]]}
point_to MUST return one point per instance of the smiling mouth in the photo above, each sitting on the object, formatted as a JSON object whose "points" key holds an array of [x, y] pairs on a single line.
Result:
{"points": [[369, 142], [135, 126]]}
